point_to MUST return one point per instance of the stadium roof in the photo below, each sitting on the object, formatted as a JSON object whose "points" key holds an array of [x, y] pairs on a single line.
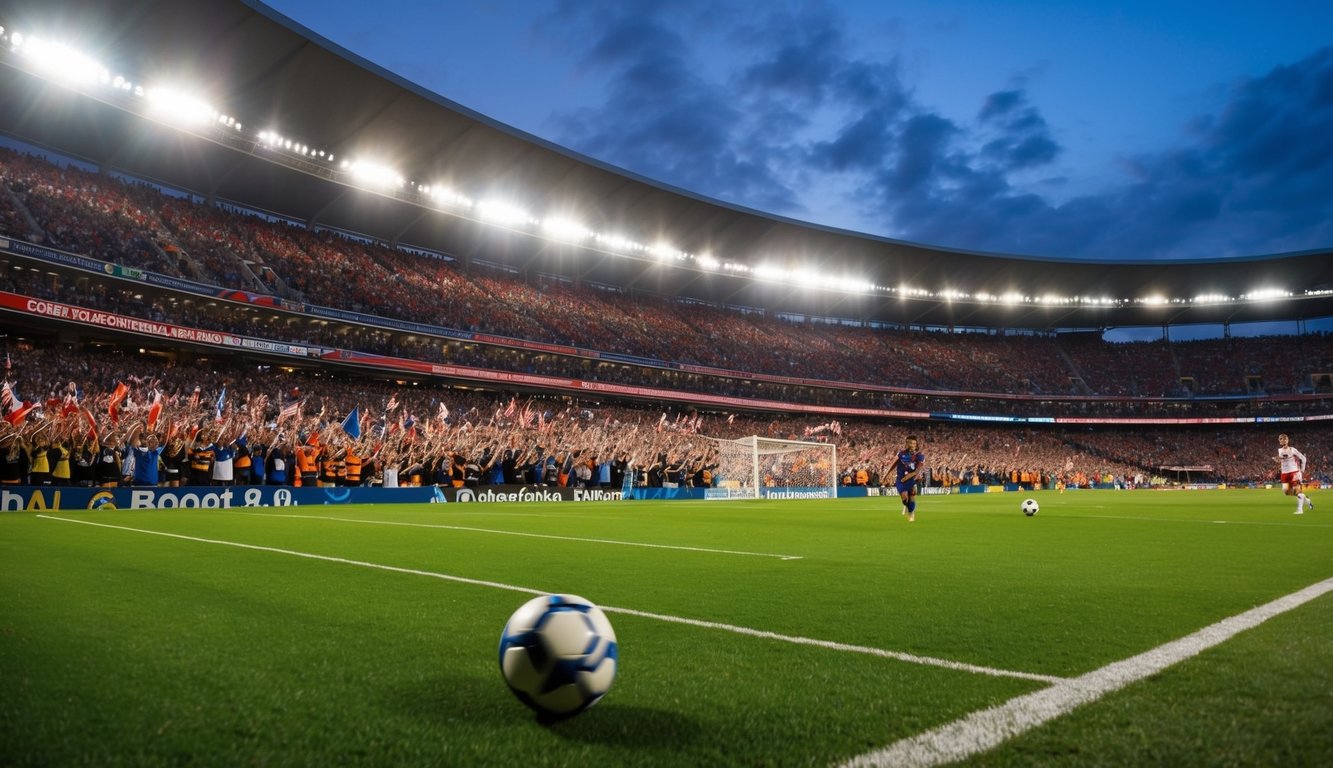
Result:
{"points": [[273, 74]]}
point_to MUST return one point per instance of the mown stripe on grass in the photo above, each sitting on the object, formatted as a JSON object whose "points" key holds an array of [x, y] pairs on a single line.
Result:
{"points": [[983, 730], [497, 531], [748, 631]]}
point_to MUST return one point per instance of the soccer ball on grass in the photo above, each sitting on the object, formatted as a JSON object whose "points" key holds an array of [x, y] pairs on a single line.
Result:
{"points": [[558, 654], [1029, 507]]}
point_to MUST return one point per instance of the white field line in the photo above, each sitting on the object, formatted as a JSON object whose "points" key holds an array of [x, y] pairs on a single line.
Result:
{"points": [[1269, 523], [907, 657], [985, 729], [530, 535]]}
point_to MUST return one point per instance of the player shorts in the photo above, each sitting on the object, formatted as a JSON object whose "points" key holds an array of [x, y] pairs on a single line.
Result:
{"points": [[908, 487], [1291, 478]]}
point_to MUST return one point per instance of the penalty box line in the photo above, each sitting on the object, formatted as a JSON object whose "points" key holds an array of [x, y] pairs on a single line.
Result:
{"points": [[793, 639], [529, 535], [988, 728]]}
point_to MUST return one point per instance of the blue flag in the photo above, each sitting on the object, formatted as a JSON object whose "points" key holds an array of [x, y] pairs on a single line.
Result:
{"points": [[352, 424]]}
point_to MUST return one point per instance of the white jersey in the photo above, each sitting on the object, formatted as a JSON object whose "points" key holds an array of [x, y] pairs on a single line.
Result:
{"points": [[1292, 459]]}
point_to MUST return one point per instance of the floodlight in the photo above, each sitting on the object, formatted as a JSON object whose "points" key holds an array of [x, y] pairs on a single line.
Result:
{"points": [[502, 213], [565, 229], [617, 242], [707, 262], [61, 63], [1266, 294], [373, 174], [178, 106], [664, 251]]}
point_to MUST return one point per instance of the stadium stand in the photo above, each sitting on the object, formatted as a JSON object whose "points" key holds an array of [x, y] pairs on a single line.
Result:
{"points": [[139, 226]]}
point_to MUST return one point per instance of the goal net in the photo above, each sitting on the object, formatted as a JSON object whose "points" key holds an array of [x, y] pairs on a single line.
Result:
{"points": [[760, 467]]}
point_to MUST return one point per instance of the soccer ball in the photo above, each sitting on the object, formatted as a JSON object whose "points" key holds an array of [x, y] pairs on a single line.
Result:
{"points": [[1030, 507], [558, 654]]}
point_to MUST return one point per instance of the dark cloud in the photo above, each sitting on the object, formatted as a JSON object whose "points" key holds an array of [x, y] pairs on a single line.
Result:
{"points": [[1022, 139], [661, 119], [800, 55], [797, 109], [1257, 178]]}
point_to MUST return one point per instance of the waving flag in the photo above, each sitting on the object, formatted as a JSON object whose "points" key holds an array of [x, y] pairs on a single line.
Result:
{"points": [[17, 415], [117, 397], [291, 410], [8, 399], [154, 411], [352, 424], [221, 404]]}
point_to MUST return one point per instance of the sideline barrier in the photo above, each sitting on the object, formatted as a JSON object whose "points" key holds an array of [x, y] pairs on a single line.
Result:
{"points": [[20, 498]]}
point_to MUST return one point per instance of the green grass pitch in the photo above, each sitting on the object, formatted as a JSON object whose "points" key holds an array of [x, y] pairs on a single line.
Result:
{"points": [[121, 647]]}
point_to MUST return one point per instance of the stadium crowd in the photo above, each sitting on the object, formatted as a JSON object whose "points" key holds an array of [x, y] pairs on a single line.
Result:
{"points": [[141, 226], [97, 292], [70, 412]]}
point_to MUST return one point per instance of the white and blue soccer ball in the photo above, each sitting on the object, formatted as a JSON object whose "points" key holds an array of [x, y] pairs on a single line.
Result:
{"points": [[558, 654], [1030, 507]]}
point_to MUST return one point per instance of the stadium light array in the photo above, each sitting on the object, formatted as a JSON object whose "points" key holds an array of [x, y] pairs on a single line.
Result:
{"points": [[565, 229], [60, 62], [443, 195], [666, 252], [1266, 294], [370, 173], [503, 213], [177, 105]]}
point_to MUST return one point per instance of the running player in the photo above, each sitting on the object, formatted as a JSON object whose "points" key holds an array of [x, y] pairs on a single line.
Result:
{"points": [[910, 463], [1293, 473]]}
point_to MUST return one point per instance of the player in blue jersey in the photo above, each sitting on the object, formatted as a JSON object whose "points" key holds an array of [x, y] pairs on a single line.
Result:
{"points": [[910, 463]]}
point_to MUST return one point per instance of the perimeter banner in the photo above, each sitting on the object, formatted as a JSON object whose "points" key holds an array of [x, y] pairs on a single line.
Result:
{"points": [[22, 498]]}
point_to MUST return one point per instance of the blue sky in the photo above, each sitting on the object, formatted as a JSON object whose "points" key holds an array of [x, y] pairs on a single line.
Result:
{"points": [[1156, 130]]}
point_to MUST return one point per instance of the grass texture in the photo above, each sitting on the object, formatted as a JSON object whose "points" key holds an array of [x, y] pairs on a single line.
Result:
{"points": [[122, 647]]}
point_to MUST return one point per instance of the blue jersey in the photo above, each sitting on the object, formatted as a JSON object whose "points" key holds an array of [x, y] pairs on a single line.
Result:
{"points": [[908, 463]]}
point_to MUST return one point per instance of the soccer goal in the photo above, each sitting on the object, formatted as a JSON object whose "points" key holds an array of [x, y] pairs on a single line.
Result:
{"points": [[760, 467]]}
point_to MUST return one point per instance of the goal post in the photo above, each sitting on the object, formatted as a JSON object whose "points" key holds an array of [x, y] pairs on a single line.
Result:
{"points": [[760, 467]]}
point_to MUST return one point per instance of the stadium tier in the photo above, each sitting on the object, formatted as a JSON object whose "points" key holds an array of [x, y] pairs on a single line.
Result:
{"points": [[589, 332]]}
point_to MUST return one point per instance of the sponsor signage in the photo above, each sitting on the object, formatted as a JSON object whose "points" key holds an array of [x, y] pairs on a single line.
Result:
{"points": [[21, 498]]}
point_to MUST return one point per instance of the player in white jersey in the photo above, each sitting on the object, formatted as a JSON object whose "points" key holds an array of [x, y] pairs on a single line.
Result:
{"points": [[1293, 473]]}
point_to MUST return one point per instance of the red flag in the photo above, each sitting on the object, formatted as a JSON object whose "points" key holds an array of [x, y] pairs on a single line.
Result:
{"points": [[92, 422], [154, 411], [117, 397], [511, 408], [17, 415]]}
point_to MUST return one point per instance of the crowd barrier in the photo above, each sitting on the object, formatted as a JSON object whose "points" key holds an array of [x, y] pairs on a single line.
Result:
{"points": [[21, 498]]}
